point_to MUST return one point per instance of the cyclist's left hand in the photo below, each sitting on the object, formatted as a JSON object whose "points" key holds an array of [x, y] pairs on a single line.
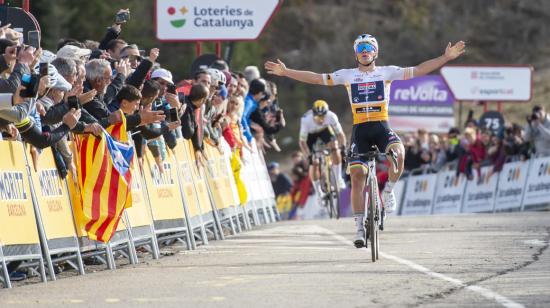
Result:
{"points": [[454, 51]]}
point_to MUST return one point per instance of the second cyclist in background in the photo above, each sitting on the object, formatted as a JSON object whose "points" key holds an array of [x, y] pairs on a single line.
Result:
{"points": [[320, 125]]}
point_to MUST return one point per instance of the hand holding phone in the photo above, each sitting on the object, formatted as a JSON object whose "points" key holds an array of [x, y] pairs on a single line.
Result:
{"points": [[44, 69], [122, 16], [34, 39], [171, 115], [74, 102]]}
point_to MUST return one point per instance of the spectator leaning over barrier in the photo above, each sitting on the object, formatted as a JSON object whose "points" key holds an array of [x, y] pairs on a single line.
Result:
{"points": [[256, 91], [514, 143], [438, 154], [537, 130], [164, 102], [473, 155], [191, 120]]}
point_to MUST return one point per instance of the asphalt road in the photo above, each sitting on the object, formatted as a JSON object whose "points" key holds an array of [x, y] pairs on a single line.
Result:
{"points": [[434, 261]]}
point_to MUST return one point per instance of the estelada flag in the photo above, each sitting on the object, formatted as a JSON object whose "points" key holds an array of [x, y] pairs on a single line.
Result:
{"points": [[104, 180]]}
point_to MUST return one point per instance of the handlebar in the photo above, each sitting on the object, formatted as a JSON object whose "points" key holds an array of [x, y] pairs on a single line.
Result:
{"points": [[370, 155]]}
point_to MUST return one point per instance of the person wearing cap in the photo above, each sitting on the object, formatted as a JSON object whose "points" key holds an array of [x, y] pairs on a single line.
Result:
{"points": [[140, 65], [74, 52], [256, 91], [164, 102]]}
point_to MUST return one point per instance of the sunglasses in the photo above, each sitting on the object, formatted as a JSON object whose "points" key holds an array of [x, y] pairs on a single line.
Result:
{"points": [[365, 47], [134, 58]]}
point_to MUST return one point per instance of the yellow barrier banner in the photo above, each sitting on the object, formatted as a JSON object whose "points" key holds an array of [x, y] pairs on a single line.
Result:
{"points": [[17, 217], [196, 177], [218, 178], [186, 177], [140, 212], [163, 188], [52, 198]]}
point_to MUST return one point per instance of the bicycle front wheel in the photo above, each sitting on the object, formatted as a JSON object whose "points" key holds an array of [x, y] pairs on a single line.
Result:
{"points": [[374, 213], [335, 194]]}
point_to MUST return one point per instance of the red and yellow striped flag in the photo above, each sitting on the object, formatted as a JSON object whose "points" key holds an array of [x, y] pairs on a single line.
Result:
{"points": [[104, 180]]}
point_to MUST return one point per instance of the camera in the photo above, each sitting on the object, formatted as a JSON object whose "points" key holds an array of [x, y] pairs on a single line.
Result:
{"points": [[122, 17], [30, 82], [171, 88], [74, 102]]}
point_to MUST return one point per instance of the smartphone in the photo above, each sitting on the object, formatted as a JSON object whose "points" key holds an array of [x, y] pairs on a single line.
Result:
{"points": [[142, 52], [34, 39], [172, 115], [44, 69], [73, 102], [30, 82], [171, 88], [122, 17]]}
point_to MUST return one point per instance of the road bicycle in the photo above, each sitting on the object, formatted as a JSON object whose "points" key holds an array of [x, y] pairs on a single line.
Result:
{"points": [[374, 220], [330, 191]]}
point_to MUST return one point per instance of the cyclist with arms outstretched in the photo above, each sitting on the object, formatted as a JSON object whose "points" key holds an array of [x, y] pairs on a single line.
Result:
{"points": [[368, 88], [319, 124]]}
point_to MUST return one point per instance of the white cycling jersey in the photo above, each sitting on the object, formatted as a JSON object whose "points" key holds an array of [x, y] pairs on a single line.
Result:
{"points": [[309, 126], [368, 92]]}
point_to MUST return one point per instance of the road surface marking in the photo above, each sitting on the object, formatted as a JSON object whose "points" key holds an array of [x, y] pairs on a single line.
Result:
{"points": [[477, 289]]}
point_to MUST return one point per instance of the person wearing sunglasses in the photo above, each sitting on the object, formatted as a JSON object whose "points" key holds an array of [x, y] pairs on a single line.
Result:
{"points": [[368, 88]]}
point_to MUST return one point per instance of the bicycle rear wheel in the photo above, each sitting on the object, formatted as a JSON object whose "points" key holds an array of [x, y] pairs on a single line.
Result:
{"points": [[372, 224]]}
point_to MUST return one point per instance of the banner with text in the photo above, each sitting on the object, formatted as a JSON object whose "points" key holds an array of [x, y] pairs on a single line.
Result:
{"points": [[422, 102], [449, 193], [480, 192], [212, 20], [537, 190], [419, 195], [511, 185]]}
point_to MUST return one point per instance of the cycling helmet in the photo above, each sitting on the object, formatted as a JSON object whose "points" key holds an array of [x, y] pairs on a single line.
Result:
{"points": [[218, 78], [365, 38], [320, 107]]}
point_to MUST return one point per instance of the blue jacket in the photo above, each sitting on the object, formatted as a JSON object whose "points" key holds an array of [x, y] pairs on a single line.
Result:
{"points": [[250, 105]]}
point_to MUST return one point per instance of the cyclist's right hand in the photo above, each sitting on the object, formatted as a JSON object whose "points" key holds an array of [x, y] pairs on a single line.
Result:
{"points": [[275, 68]]}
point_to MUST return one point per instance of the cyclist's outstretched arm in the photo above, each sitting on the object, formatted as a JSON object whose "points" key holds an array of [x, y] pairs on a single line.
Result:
{"points": [[280, 69], [451, 52]]}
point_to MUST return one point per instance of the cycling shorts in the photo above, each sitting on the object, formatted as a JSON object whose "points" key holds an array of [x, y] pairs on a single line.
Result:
{"points": [[326, 135], [366, 135]]}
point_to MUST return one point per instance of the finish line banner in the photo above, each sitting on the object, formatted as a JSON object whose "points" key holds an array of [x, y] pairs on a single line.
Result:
{"points": [[422, 102]]}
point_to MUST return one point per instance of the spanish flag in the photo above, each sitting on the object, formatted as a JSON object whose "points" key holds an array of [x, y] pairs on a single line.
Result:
{"points": [[104, 180]]}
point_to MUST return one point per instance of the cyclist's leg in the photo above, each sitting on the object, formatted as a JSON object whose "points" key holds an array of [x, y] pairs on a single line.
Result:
{"points": [[388, 140], [358, 172], [314, 173], [329, 138]]}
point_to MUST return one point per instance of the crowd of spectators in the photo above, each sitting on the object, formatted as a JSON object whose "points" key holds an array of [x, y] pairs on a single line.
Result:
{"points": [[85, 86], [464, 151], [475, 146]]}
